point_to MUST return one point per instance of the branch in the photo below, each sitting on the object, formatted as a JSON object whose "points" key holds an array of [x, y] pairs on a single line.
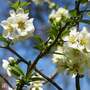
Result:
{"points": [[44, 52], [6, 81], [50, 80], [23, 60], [52, 77], [14, 52], [77, 5], [77, 82]]}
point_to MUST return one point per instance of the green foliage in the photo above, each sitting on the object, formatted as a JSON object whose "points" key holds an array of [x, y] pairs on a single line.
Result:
{"points": [[19, 4]]}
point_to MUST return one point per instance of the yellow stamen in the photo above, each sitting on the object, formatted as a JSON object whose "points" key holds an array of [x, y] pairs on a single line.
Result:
{"points": [[21, 25]]}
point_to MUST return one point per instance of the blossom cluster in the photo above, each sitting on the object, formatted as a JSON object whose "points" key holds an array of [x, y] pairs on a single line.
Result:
{"points": [[79, 40], [74, 56], [59, 14], [18, 26]]}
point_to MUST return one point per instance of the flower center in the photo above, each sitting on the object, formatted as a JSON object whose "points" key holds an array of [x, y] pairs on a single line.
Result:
{"points": [[83, 41], [72, 39], [21, 25], [9, 28]]}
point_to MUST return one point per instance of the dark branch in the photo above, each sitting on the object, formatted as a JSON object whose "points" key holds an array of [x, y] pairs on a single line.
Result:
{"points": [[6, 81], [50, 80], [77, 82]]}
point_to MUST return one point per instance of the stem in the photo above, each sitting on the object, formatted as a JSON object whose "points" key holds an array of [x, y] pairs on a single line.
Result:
{"points": [[77, 7], [50, 80], [77, 4], [77, 81]]}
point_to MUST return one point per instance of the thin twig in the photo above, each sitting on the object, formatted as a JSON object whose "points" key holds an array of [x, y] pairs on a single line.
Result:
{"points": [[14, 52], [51, 81], [52, 77], [6, 81]]}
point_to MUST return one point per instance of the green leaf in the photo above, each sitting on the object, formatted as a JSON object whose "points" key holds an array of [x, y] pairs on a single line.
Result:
{"points": [[26, 11], [73, 12], [39, 47], [38, 38], [23, 4], [37, 79], [19, 4], [83, 1], [16, 70], [40, 43], [85, 21], [65, 32], [3, 39], [15, 5]]}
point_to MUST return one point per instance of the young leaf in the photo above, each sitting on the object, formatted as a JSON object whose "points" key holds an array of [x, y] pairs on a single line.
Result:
{"points": [[15, 5], [37, 79], [3, 39], [38, 38], [40, 43], [23, 4], [19, 4], [16, 70]]}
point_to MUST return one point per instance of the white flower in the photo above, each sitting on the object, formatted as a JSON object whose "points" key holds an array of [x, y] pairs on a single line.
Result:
{"points": [[5, 65], [37, 85], [9, 30], [18, 26], [63, 12], [59, 14], [72, 39], [72, 61], [84, 39]]}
